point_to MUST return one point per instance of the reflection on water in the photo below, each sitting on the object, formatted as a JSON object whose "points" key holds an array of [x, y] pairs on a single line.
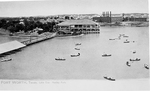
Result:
{"points": [[38, 61]]}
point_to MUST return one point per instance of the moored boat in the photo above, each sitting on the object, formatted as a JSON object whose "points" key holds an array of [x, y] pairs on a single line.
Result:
{"points": [[6, 60]]}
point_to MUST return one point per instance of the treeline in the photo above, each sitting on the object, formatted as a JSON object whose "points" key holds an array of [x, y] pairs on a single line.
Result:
{"points": [[17, 24]]}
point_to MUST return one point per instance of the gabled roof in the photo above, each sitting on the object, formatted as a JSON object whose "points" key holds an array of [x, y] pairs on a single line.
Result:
{"points": [[77, 22], [10, 46]]}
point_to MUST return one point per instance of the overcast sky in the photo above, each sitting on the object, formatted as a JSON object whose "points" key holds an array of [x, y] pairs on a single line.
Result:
{"points": [[54, 7]]}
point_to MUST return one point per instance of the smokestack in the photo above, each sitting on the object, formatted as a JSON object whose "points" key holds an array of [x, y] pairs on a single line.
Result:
{"points": [[110, 16], [104, 14]]}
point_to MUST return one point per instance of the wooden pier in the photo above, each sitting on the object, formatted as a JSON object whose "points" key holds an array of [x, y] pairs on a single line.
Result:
{"points": [[7, 48], [37, 39]]}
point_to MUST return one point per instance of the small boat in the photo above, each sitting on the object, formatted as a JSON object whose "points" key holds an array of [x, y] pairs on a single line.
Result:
{"points": [[146, 66], [6, 60], [60, 59], [108, 78], [137, 59], [125, 36], [106, 55], [77, 49], [78, 44], [75, 55], [134, 52], [126, 41], [111, 39], [127, 63]]}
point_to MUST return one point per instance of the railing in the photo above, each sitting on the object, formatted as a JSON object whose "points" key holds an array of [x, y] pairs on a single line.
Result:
{"points": [[37, 39]]}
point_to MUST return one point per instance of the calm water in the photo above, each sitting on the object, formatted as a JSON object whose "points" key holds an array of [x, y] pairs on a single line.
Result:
{"points": [[38, 61]]}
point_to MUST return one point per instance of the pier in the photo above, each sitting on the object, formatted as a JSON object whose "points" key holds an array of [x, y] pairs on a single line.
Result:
{"points": [[37, 39], [16, 45]]}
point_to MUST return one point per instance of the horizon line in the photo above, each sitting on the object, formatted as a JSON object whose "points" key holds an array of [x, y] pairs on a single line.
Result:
{"points": [[71, 14]]}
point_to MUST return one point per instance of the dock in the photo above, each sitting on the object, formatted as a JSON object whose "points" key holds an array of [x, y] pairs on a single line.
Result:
{"points": [[8, 47], [37, 39]]}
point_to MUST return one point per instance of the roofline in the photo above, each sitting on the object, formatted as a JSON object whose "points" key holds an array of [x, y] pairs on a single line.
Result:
{"points": [[76, 24]]}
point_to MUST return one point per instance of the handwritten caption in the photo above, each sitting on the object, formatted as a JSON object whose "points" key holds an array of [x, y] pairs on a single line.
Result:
{"points": [[32, 82]]}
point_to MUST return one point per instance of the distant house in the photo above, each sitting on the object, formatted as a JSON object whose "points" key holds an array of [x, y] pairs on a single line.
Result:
{"points": [[78, 26]]}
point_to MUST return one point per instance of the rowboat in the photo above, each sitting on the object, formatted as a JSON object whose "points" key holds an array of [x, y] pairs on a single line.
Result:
{"points": [[6, 60], [146, 66], [75, 55], [108, 78], [60, 59], [106, 55], [137, 59]]}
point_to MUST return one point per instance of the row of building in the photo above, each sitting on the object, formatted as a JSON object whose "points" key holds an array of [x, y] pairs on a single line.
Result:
{"points": [[91, 24], [109, 18]]}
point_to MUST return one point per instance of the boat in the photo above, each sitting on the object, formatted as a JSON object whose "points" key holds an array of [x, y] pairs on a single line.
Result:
{"points": [[134, 52], [68, 33], [146, 66], [127, 63], [108, 78], [6, 60], [126, 41], [125, 36], [77, 49], [106, 55], [75, 55], [78, 44], [137, 59], [60, 59], [111, 39]]}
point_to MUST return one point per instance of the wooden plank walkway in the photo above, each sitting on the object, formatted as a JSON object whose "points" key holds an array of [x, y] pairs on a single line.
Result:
{"points": [[38, 39]]}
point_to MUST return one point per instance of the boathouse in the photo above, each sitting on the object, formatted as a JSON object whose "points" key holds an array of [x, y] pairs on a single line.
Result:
{"points": [[78, 26], [10, 46]]}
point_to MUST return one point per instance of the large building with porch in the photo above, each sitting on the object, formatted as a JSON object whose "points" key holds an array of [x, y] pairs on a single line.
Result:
{"points": [[78, 26]]}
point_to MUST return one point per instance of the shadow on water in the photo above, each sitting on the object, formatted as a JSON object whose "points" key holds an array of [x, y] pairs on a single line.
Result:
{"points": [[11, 52]]}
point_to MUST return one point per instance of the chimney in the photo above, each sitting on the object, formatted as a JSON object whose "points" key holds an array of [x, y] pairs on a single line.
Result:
{"points": [[110, 16]]}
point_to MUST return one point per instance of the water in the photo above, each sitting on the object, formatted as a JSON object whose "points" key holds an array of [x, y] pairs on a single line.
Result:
{"points": [[38, 61]]}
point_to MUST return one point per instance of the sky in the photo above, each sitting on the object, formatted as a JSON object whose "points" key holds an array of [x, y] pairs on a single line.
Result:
{"points": [[14, 8]]}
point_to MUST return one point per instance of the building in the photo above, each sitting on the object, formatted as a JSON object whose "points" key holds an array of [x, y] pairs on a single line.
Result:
{"points": [[116, 19], [78, 26], [108, 19], [102, 19], [141, 19]]}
